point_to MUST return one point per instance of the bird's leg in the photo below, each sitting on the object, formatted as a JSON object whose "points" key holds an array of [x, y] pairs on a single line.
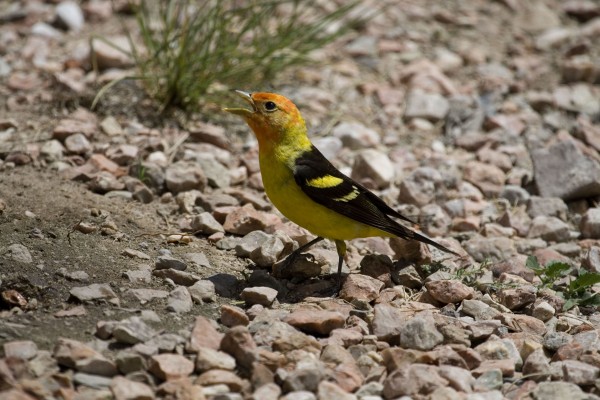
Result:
{"points": [[299, 250], [341, 250]]}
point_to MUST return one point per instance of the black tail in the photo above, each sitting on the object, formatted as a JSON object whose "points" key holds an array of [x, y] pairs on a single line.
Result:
{"points": [[406, 233]]}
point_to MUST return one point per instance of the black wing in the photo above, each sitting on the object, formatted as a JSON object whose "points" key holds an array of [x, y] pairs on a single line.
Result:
{"points": [[349, 198]]}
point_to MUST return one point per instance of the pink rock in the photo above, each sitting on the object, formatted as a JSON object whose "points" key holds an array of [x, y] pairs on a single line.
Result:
{"points": [[233, 316], [449, 291], [125, 389], [360, 287], [217, 377], [244, 220], [315, 321], [169, 366], [204, 334], [239, 343]]}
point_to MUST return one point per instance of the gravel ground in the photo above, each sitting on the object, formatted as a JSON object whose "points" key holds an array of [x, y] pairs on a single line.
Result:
{"points": [[140, 259]]}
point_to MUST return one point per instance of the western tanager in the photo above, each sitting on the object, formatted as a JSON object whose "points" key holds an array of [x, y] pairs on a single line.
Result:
{"points": [[307, 188]]}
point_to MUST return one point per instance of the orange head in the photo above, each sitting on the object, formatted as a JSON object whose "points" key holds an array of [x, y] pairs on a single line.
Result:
{"points": [[273, 118]]}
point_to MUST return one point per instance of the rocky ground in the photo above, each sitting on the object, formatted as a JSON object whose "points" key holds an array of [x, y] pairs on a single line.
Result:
{"points": [[140, 259]]}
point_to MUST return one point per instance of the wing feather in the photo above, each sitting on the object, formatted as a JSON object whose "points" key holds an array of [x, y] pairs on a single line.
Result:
{"points": [[349, 198]]}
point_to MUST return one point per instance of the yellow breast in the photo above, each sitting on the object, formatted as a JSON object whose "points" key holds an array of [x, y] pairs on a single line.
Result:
{"points": [[293, 203]]}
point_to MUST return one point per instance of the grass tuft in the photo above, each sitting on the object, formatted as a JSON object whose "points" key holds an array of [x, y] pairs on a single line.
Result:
{"points": [[195, 48]]}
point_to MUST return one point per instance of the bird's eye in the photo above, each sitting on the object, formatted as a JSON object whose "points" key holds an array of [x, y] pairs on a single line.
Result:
{"points": [[270, 106]]}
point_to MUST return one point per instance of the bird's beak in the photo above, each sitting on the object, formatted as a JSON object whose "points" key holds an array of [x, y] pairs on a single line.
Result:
{"points": [[244, 112]]}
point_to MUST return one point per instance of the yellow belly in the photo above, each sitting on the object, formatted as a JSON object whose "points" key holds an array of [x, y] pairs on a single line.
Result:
{"points": [[294, 204]]}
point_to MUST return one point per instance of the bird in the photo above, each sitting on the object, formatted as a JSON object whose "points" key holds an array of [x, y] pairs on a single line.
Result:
{"points": [[305, 186]]}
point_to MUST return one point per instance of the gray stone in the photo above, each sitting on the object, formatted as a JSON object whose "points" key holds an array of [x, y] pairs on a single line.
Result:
{"points": [[590, 224], [388, 321], [250, 242], [551, 229], [207, 359], [69, 15], [179, 300], [129, 361], [490, 248], [547, 206], [259, 295], [420, 333], [92, 381], [299, 395], [78, 144], [203, 291], [558, 391], [94, 291], [374, 165], [217, 174], [19, 253], [408, 277], [515, 195], [580, 373], [562, 170], [268, 252], [543, 311], [420, 186], [355, 135], [305, 378], [489, 380], [144, 295], [22, 349], [52, 150], [185, 175], [330, 146], [554, 340], [479, 310], [132, 330], [207, 224], [579, 97], [169, 262], [430, 106]]}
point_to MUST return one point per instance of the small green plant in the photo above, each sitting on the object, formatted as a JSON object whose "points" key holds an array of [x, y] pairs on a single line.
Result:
{"points": [[576, 292], [193, 48], [549, 273]]}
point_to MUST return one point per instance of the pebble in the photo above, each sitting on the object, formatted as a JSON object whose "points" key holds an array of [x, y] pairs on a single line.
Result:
{"points": [[169, 262], [420, 186], [132, 330], [111, 52], [233, 316], [373, 165], [319, 322], [590, 224], [243, 220], [238, 342], [95, 291], [126, 389], [551, 229], [355, 135], [430, 106], [563, 171], [449, 291], [183, 176], [69, 15], [203, 291], [179, 300], [78, 144], [207, 224], [207, 359], [420, 333], [170, 366], [19, 253], [264, 296], [360, 287]]}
